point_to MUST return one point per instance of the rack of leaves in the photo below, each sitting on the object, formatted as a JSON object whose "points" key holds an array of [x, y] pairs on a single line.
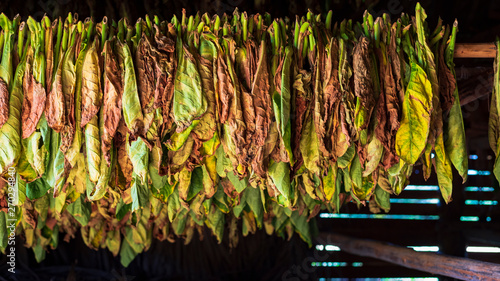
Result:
{"points": [[237, 123]]}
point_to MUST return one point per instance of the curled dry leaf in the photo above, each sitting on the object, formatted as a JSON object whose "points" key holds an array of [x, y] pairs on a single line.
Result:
{"points": [[113, 90], [33, 102], [146, 61], [4, 102], [55, 105]]}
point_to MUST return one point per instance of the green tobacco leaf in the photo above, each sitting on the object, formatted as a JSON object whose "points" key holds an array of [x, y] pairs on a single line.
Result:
{"points": [[253, 199], [443, 169], [301, 227], [140, 194], [138, 153], [330, 182], [93, 149], [238, 184], [72, 154], [375, 149], [411, 137], [80, 210], [282, 105], [196, 184], [189, 103], [37, 189], [55, 175], [382, 198], [10, 132], [309, 146], [132, 111], [280, 175], [161, 188], [3, 232], [454, 132]]}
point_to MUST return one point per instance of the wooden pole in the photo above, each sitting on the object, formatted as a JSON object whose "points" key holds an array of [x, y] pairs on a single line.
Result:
{"points": [[475, 50], [455, 267]]}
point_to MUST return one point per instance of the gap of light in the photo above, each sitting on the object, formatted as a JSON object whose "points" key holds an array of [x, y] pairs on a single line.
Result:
{"points": [[422, 187], [378, 216], [481, 249], [414, 201], [478, 173], [330, 248], [469, 218], [425, 248], [329, 264], [473, 157], [479, 189], [481, 202], [336, 264]]}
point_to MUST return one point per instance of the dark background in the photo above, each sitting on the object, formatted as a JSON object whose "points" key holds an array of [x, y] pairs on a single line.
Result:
{"points": [[259, 256], [478, 20]]}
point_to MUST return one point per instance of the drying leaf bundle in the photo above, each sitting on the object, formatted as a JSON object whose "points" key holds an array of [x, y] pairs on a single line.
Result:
{"points": [[126, 133]]}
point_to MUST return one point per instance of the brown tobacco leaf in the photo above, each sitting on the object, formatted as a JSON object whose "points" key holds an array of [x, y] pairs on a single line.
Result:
{"points": [[49, 54], [263, 110], [112, 106], [146, 61], [387, 113], [4, 102], [91, 84], [226, 89], [395, 59], [363, 84], [33, 102], [124, 163], [302, 92], [165, 74], [246, 60], [55, 106], [447, 83]]}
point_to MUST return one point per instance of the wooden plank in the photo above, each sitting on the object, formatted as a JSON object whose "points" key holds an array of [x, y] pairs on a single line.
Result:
{"points": [[455, 267], [475, 50]]}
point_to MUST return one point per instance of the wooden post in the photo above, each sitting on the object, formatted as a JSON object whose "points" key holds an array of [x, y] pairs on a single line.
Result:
{"points": [[455, 267], [475, 50]]}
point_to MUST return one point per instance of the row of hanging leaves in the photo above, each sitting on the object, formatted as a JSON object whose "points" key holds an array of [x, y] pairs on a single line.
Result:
{"points": [[126, 133]]}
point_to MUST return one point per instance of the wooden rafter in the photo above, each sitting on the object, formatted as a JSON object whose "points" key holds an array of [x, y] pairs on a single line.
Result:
{"points": [[455, 267]]}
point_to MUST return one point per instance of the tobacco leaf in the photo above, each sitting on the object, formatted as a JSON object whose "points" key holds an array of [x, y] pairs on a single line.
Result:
{"points": [[33, 102], [124, 164], [10, 133], [246, 58], [55, 107], [207, 125], [262, 105], [4, 102], [132, 111], [91, 84], [447, 83], [454, 132], [112, 107], [72, 87], [411, 137], [282, 106], [165, 74], [189, 103], [146, 61], [93, 149], [387, 113], [302, 94], [363, 83]]}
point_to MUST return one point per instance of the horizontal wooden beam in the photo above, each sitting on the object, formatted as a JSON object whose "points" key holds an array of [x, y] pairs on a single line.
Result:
{"points": [[475, 50], [454, 267]]}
